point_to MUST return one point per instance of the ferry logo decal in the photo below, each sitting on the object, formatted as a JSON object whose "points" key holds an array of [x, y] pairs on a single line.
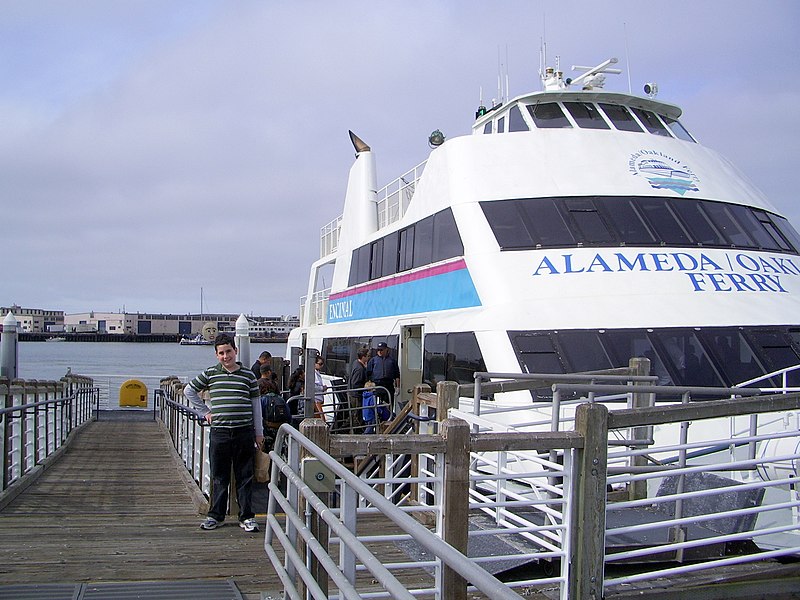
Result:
{"points": [[663, 171]]}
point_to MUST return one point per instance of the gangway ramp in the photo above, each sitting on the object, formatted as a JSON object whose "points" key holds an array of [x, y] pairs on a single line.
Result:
{"points": [[116, 508]]}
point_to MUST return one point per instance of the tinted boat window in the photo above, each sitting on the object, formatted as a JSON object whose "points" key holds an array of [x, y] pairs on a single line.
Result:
{"points": [[507, 224], [588, 221], [501, 125], [651, 122], [390, 254], [627, 221], [789, 233], [545, 223], [635, 221], [686, 358], [446, 239], [515, 120], [721, 215], [699, 224], [778, 350], [423, 242], [621, 117], [663, 221], [405, 258], [715, 356], [678, 130], [451, 357], [536, 353], [359, 269], [488, 127], [376, 260], [586, 115], [730, 350], [755, 228], [583, 351], [548, 115]]}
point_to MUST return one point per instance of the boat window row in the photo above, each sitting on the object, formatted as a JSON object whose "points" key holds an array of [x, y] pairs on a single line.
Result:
{"points": [[529, 223], [447, 356], [712, 356], [427, 241], [585, 115], [340, 352]]}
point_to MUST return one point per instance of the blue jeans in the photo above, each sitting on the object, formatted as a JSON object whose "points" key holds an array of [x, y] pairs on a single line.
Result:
{"points": [[231, 446]]}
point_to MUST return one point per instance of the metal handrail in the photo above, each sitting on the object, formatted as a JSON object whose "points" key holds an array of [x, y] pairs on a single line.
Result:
{"points": [[465, 567], [32, 432]]}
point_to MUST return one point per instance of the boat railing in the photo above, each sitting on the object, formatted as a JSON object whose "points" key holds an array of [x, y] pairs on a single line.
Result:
{"points": [[393, 199], [318, 315], [782, 373], [329, 237], [702, 477], [37, 421]]}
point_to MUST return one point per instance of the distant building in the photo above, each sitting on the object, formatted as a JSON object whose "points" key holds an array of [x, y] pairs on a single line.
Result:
{"points": [[98, 322], [35, 320]]}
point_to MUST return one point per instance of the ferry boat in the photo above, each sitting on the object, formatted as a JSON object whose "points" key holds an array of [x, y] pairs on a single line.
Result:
{"points": [[574, 228]]}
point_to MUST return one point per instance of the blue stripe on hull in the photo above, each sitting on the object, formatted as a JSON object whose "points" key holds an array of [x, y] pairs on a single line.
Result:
{"points": [[439, 292]]}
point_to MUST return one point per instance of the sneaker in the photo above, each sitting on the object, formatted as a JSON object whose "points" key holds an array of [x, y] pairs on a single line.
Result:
{"points": [[210, 523], [249, 525]]}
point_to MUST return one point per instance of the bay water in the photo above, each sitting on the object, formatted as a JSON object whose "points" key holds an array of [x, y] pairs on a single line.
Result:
{"points": [[110, 364]]}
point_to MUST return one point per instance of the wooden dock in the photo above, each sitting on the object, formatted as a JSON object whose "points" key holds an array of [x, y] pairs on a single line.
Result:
{"points": [[119, 507], [116, 508]]}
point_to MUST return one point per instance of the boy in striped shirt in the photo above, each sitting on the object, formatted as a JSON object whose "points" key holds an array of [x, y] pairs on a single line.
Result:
{"points": [[236, 428]]}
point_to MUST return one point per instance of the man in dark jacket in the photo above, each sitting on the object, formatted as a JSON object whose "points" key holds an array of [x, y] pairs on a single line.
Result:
{"points": [[356, 380], [383, 370]]}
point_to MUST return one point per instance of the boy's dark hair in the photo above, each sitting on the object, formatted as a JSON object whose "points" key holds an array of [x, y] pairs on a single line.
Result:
{"points": [[265, 354], [222, 339], [362, 352], [264, 370]]}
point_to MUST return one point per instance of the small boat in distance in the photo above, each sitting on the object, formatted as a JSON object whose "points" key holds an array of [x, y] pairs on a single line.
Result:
{"points": [[197, 340]]}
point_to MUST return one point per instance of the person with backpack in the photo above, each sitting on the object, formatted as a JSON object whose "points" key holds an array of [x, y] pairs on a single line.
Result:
{"points": [[274, 411]]}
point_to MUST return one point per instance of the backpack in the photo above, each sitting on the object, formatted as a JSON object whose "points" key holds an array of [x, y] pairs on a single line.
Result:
{"points": [[274, 409]]}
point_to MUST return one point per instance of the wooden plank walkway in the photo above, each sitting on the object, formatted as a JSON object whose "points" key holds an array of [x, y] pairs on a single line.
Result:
{"points": [[115, 508]]}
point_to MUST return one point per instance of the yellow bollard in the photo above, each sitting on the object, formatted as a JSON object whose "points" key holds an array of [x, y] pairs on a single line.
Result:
{"points": [[133, 393]]}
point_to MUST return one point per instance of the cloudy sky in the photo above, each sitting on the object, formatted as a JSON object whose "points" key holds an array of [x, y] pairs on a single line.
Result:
{"points": [[151, 148]]}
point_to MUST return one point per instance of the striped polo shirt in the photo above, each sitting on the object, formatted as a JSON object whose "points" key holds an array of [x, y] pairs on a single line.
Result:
{"points": [[231, 395]]}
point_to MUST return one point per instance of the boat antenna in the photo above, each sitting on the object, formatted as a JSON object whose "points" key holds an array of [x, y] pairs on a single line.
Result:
{"points": [[627, 57], [499, 76], [508, 91], [543, 48]]}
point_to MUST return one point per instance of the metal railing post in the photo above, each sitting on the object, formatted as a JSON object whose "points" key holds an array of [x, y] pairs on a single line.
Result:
{"points": [[639, 366], [455, 505], [317, 431], [588, 525]]}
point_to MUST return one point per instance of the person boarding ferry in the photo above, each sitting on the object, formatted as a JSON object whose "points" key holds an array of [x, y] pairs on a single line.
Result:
{"points": [[382, 369]]}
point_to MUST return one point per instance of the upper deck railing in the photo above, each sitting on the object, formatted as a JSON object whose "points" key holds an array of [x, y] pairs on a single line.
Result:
{"points": [[392, 200]]}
